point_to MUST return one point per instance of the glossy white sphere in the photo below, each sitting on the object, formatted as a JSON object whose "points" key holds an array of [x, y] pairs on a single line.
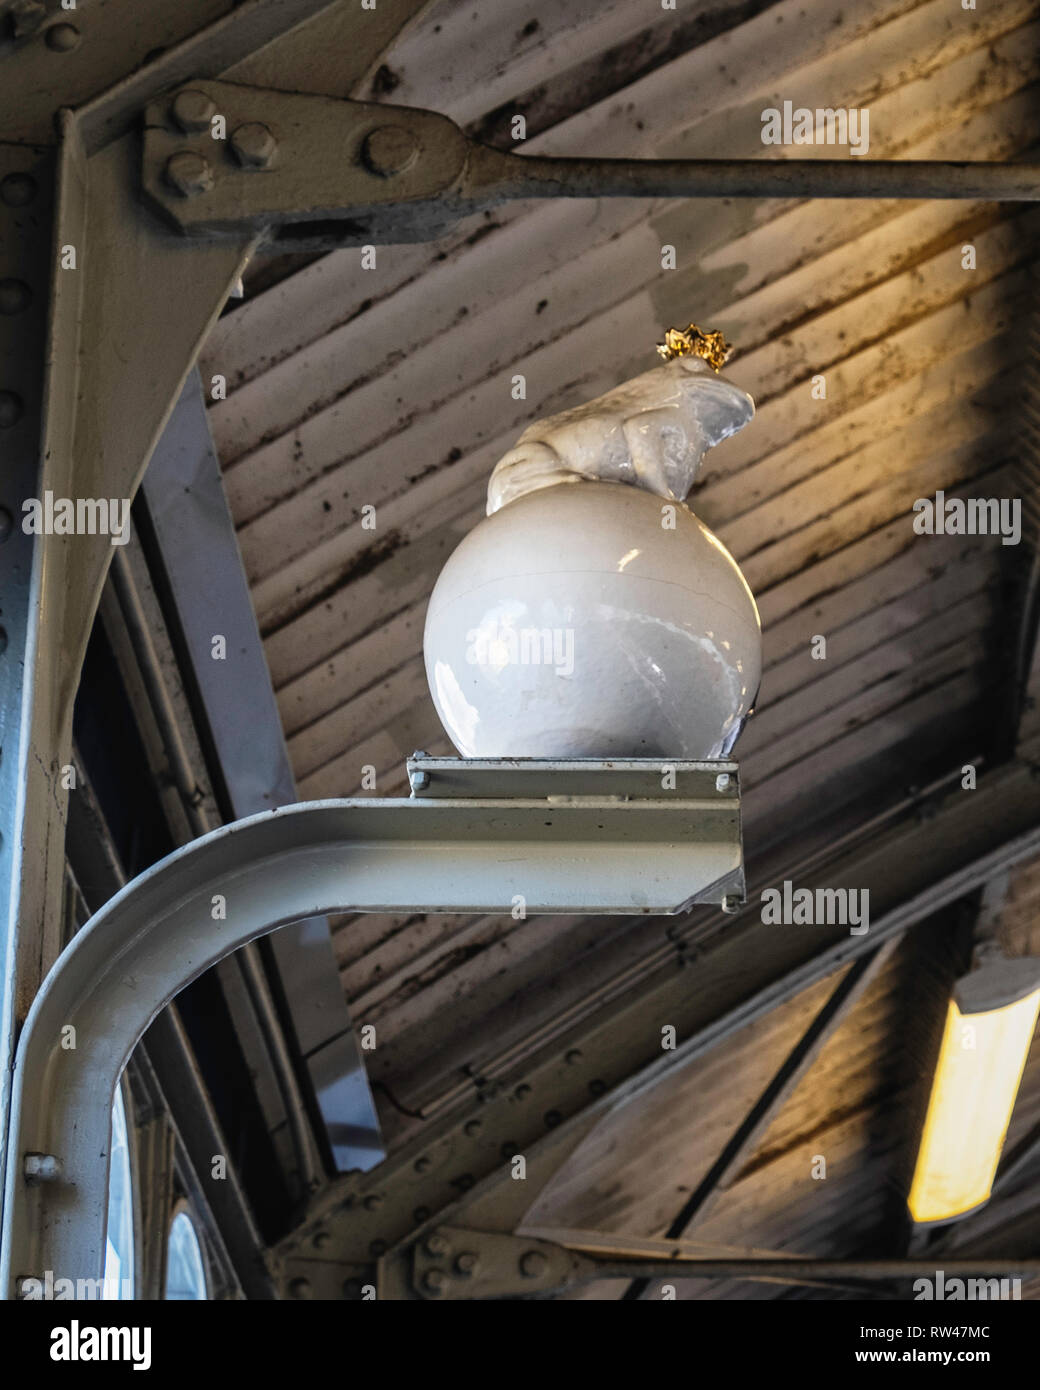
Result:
{"points": [[572, 623]]}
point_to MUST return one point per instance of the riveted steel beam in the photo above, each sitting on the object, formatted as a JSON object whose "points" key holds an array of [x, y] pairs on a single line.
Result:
{"points": [[487, 854], [308, 172], [457, 1263], [116, 353], [107, 61], [542, 1102]]}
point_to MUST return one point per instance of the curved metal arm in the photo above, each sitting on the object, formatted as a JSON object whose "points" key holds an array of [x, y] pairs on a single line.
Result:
{"points": [[442, 854]]}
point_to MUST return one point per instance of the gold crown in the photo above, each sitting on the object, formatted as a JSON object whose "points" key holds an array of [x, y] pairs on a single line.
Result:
{"points": [[695, 342]]}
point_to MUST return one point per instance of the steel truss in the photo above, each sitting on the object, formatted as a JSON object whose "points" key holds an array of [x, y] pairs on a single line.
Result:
{"points": [[566, 845], [113, 351]]}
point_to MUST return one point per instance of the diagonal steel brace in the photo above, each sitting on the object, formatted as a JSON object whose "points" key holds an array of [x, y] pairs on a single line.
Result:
{"points": [[311, 172]]}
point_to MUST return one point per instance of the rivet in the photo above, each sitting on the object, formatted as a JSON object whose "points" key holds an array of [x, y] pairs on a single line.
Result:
{"points": [[467, 1263], [253, 144], [15, 296], [422, 1165], [533, 1264], [573, 1057], [42, 1167], [193, 110], [62, 38], [472, 1128], [189, 173], [436, 1245], [322, 1240], [300, 1288], [373, 1201], [435, 1281], [17, 190], [389, 150], [522, 1090], [11, 408]]}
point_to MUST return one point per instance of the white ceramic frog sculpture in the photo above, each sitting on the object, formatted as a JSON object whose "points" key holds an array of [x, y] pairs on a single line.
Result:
{"points": [[651, 432], [591, 614]]}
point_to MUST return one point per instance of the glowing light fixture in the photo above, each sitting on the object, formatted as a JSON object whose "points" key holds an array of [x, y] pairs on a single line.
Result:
{"points": [[989, 1028]]}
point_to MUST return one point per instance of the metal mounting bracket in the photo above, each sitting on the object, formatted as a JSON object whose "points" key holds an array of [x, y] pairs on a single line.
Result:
{"points": [[452, 1262], [312, 173], [668, 838]]}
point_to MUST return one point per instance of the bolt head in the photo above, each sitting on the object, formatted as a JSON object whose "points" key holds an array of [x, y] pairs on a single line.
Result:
{"points": [[533, 1264], [435, 1281], [731, 903], [189, 173], [62, 38], [18, 189], [389, 150], [254, 145], [193, 110], [300, 1288], [436, 1245], [418, 780], [467, 1263], [15, 296], [723, 782], [11, 409], [42, 1167]]}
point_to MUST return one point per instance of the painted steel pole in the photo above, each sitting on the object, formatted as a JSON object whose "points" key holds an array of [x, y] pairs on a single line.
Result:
{"points": [[441, 853]]}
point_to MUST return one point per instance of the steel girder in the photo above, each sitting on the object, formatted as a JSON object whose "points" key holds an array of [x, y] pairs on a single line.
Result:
{"points": [[595, 854], [456, 1263], [709, 980], [88, 312]]}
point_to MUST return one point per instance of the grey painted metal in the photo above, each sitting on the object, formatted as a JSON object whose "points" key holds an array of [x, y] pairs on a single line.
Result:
{"points": [[740, 972], [196, 550], [166, 1053], [641, 778], [319, 187], [501, 177], [25, 216], [453, 1263], [124, 57], [184, 778], [112, 338], [241, 881], [185, 1092]]}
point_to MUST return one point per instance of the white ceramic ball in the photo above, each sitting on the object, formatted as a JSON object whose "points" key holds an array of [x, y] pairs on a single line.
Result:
{"points": [[572, 623]]}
